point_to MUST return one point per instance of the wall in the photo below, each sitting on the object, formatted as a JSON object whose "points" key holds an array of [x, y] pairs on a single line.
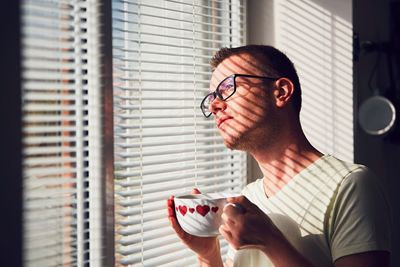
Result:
{"points": [[317, 37]]}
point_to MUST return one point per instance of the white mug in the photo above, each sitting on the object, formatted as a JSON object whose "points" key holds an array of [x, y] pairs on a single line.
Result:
{"points": [[200, 214]]}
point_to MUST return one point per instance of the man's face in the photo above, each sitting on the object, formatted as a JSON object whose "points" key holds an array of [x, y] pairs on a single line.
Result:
{"points": [[242, 119]]}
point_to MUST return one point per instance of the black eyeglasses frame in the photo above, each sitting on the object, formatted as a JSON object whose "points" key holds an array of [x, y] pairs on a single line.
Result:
{"points": [[216, 92]]}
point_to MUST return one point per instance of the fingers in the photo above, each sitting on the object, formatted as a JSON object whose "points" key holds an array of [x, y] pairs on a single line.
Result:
{"points": [[229, 237], [224, 231], [242, 200], [241, 203], [177, 228], [228, 216], [195, 191], [172, 218], [171, 206], [234, 208], [229, 230], [171, 213], [232, 217]]}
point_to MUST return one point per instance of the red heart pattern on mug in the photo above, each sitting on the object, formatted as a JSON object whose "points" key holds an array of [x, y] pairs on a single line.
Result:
{"points": [[203, 210], [182, 210], [214, 209]]}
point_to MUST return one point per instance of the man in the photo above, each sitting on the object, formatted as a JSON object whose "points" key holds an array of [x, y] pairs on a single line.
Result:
{"points": [[309, 209]]}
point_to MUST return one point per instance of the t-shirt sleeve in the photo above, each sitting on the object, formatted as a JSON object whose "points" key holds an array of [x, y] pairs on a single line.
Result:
{"points": [[361, 216]]}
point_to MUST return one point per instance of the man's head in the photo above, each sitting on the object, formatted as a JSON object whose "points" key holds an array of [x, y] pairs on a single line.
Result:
{"points": [[256, 106], [269, 61]]}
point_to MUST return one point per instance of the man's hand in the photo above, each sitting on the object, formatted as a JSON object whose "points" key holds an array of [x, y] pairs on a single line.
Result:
{"points": [[206, 248], [245, 225]]}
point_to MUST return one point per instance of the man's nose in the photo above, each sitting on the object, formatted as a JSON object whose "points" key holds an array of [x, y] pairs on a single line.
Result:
{"points": [[217, 105]]}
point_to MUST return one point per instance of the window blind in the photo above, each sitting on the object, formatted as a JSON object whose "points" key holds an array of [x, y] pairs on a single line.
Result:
{"points": [[62, 134], [163, 144]]}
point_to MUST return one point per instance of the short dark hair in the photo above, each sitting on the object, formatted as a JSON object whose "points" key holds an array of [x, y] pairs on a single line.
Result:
{"points": [[271, 62]]}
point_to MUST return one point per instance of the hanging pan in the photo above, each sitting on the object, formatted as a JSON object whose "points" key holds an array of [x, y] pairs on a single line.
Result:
{"points": [[377, 115]]}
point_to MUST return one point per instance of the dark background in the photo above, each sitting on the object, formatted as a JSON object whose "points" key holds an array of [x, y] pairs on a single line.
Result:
{"points": [[379, 21]]}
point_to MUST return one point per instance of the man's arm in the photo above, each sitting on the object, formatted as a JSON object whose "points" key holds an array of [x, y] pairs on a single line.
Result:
{"points": [[365, 259], [361, 222]]}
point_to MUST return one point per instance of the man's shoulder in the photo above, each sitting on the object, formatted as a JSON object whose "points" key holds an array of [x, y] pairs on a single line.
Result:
{"points": [[350, 172], [333, 165]]}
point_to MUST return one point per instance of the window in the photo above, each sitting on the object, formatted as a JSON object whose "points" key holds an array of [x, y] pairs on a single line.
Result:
{"points": [[163, 145], [62, 133]]}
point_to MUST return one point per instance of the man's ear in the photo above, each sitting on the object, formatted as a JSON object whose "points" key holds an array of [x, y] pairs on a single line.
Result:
{"points": [[283, 92]]}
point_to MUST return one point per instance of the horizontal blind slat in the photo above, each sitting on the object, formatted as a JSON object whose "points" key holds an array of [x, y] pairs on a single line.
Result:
{"points": [[218, 147], [182, 158], [142, 143], [200, 132]]}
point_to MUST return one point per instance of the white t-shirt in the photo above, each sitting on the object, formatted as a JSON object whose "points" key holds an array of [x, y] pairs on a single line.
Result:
{"points": [[329, 210]]}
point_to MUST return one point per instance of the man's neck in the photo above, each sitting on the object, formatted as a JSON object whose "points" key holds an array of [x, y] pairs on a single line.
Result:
{"points": [[281, 164]]}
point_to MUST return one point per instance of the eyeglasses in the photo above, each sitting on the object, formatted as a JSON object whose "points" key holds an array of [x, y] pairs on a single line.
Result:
{"points": [[225, 89]]}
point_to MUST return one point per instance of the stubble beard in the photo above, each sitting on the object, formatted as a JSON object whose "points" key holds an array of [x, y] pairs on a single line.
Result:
{"points": [[262, 135], [246, 141], [238, 143]]}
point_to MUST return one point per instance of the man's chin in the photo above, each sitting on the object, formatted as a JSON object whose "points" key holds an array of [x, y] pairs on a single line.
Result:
{"points": [[234, 145], [229, 145], [234, 140]]}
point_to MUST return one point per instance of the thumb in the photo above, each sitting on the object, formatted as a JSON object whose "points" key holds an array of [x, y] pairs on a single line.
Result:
{"points": [[241, 200], [195, 191]]}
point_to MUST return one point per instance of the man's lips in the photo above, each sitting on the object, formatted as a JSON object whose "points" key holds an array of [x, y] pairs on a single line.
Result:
{"points": [[222, 120]]}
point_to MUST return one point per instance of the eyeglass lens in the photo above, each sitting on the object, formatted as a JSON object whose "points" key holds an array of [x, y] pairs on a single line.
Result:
{"points": [[224, 90]]}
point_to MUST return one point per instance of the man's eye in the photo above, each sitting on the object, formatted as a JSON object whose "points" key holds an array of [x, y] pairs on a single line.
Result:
{"points": [[210, 98], [226, 87]]}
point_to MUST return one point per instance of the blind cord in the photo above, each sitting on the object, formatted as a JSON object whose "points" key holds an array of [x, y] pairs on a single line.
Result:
{"points": [[140, 131], [194, 95]]}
